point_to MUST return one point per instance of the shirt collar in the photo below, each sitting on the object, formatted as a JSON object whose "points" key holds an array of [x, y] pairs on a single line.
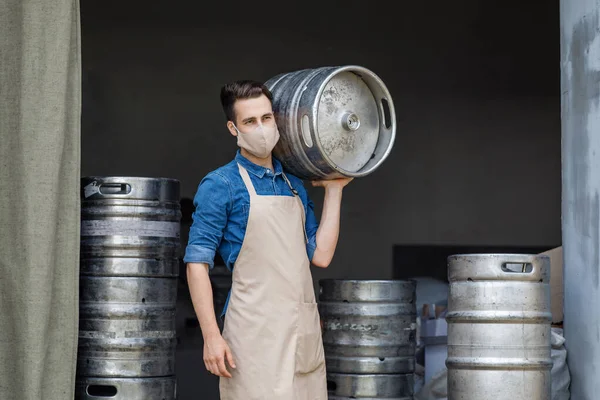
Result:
{"points": [[257, 169]]}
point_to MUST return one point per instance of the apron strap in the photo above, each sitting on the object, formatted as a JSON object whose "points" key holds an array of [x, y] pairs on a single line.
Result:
{"points": [[295, 192], [252, 193], [247, 181]]}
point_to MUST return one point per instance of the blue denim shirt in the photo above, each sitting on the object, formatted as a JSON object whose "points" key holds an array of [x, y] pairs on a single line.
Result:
{"points": [[222, 205]]}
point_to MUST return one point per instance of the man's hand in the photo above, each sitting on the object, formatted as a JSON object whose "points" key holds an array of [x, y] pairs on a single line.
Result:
{"points": [[216, 351], [333, 183]]}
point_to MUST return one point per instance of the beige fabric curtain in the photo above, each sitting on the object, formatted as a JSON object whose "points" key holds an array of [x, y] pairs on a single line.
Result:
{"points": [[40, 107]]}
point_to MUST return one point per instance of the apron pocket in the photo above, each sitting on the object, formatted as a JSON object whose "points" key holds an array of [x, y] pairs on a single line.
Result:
{"points": [[309, 349]]}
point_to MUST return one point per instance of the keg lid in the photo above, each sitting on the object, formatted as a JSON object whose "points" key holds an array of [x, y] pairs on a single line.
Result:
{"points": [[353, 113], [348, 121]]}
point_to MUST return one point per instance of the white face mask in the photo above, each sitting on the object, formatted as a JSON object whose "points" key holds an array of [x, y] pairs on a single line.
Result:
{"points": [[260, 141]]}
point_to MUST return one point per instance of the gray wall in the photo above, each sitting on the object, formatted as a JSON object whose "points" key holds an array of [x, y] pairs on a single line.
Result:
{"points": [[580, 62], [477, 156], [476, 90]]}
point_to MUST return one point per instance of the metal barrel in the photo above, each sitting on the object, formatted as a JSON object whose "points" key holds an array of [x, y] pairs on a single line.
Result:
{"points": [[370, 387], [128, 281], [369, 326], [333, 121], [499, 327], [160, 388], [130, 226]]}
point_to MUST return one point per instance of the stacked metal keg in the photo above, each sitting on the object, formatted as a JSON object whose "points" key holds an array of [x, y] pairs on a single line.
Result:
{"points": [[499, 323], [130, 231], [369, 336]]}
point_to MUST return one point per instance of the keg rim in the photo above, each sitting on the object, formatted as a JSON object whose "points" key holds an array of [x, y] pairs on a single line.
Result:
{"points": [[368, 280], [370, 376], [498, 255], [370, 76], [493, 267], [139, 178]]}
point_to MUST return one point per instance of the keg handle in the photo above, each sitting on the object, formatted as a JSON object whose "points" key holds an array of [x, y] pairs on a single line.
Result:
{"points": [[516, 267], [101, 391], [387, 115], [114, 188]]}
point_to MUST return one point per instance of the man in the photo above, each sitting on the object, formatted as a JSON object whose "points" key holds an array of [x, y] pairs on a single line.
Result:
{"points": [[262, 223]]}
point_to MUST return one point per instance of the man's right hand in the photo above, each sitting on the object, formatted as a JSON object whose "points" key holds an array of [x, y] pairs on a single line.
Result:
{"points": [[216, 351]]}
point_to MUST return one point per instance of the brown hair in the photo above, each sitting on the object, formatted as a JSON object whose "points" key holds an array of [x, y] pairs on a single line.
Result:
{"points": [[238, 90]]}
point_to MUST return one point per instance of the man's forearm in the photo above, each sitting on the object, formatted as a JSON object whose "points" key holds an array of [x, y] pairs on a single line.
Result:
{"points": [[329, 227], [202, 298]]}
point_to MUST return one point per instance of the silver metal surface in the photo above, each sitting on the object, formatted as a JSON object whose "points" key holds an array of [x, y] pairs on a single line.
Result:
{"points": [[128, 280], [374, 387], [161, 388], [369, 327], [130, 226], [333, 121], [580, 128], [499, 327]]}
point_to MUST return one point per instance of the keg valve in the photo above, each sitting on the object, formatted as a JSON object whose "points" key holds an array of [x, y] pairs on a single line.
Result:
{"points": [[350, 121]]}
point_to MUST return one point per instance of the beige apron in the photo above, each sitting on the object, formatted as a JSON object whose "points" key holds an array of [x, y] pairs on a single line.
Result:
{"points": [[272, 323]]}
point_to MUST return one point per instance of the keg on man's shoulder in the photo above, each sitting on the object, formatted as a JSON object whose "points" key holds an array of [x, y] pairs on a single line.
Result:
{"points": [[333, 121], [499, 327]]}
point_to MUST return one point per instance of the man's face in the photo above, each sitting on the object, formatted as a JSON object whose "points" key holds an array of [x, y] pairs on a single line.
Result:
{"points": [[249, 113]]}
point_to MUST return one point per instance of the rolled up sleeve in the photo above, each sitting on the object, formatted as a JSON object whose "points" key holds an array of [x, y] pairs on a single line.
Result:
{"points": [[213, 204]]}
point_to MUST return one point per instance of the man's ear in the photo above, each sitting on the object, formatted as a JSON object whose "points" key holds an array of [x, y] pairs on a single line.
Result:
{"points": [[231, 128]]}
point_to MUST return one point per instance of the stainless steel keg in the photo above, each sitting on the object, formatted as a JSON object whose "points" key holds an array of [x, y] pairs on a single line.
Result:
{"points": [[130, 226], [499, 327], [369, 326], [333, 121], [128, 280]]}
